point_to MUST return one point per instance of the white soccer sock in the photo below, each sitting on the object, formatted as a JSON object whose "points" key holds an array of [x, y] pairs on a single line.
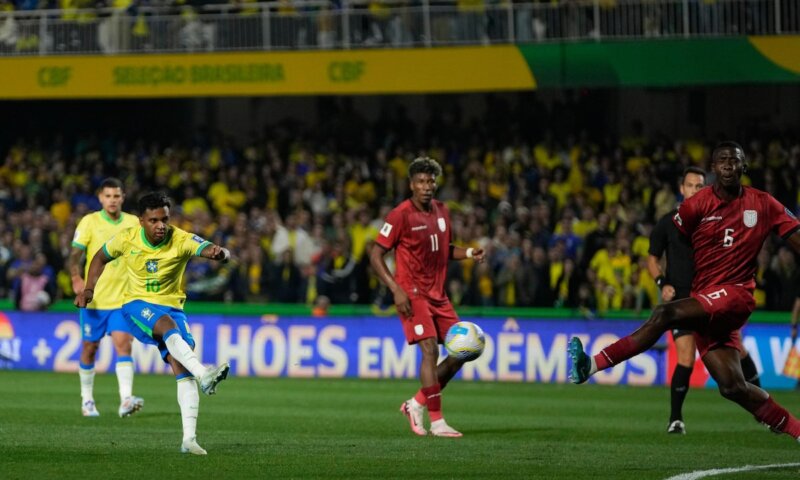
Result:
{"points": [[593, 368], [183, 353], [125, 379], [87, 383], [189, 401]]}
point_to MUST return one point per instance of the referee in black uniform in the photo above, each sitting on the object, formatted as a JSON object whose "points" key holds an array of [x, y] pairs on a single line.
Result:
{"points": [[676, 283]]}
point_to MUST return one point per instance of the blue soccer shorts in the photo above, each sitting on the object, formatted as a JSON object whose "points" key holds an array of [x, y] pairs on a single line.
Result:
{"points": [[142, 317], [95, 324]]}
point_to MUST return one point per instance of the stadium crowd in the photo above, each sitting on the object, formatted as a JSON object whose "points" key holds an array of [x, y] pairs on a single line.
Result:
{"points": [[565, 219]]}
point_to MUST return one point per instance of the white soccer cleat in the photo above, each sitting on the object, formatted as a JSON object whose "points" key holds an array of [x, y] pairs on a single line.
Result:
{"points": [[130, 405], [677, 427], [210, 379], [413, 412], [440, 428], [190, 446], [88, 409]]}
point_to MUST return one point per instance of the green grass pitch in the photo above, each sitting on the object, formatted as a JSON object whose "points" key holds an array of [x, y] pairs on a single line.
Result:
{"points": [[297, 428]]}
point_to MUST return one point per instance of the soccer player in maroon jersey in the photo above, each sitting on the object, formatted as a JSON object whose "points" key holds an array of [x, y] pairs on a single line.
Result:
{"points": [[727, 225], [419, 231], [676, 283]]}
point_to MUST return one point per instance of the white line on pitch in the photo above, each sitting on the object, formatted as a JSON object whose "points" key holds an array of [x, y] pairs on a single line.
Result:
{"points": [[719, 471]]}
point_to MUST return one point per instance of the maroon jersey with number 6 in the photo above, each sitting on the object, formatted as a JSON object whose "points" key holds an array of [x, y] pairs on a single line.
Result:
{"points": [[422, 248], [727, 235]]}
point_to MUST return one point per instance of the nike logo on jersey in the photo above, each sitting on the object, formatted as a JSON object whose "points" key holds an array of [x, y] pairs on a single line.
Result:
{"points": [[135, 252], [419, 227]]}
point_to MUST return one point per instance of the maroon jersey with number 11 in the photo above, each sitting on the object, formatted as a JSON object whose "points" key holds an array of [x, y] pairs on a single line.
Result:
{"points": [[727, 236], [422, 248]]}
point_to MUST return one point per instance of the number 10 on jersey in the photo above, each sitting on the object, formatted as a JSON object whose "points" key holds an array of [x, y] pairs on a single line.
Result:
{"points": [[152, 285]]}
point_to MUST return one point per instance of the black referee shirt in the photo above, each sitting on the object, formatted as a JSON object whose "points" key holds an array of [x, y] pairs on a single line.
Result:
{"points": [[665, 237]]}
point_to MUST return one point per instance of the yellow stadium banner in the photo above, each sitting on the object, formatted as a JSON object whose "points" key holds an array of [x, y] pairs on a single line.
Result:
{"points": [[352, 72]]}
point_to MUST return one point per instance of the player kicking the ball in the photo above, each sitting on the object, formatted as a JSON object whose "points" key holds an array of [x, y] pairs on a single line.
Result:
{"points": [[419, 231], [155, 257], [727, 225]]}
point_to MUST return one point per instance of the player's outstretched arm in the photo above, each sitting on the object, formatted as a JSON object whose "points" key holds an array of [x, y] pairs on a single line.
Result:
{"points": [[401, 301], [461, 253], [215, 252], [95, 270]]}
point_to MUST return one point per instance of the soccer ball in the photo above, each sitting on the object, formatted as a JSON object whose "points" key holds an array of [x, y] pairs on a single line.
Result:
{"points": [[465, 341]]}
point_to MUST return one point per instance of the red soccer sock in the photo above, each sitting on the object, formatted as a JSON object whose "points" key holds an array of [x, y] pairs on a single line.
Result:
{"points": [[778, 418], [617, 352], [420, 397], [433, 397]]}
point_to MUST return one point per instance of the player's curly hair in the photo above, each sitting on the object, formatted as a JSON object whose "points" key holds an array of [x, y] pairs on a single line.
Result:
{"points": [[424, 165], [153, 200]]}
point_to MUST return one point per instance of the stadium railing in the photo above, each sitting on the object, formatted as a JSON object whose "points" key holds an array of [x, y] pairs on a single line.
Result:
{"points": [[312, 24]]}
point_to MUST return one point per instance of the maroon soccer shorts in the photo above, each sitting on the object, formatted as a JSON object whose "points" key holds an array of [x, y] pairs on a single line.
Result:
{"points": [[428, 320], [728, 308]]}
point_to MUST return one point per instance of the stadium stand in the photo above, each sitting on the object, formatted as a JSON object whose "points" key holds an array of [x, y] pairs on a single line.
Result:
{"points": [[564, 219]]}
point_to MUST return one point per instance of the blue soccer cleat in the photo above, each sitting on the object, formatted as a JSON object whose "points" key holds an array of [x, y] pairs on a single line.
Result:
{"points": [[581, 363]]}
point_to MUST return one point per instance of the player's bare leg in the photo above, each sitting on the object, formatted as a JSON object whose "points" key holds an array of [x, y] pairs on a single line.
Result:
{"points": [[128, 403], [686, 313], [447, 369], [86, 374], [679, 386], [724, 365]]}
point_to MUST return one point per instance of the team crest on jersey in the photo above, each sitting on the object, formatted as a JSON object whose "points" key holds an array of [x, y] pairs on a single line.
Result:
{"points": [[151, 266], [386, 229], [750, 218], [442, 224]]}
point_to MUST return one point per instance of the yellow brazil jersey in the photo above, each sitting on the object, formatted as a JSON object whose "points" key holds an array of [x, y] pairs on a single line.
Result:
{"points": [[155, 272], [92, 232]]}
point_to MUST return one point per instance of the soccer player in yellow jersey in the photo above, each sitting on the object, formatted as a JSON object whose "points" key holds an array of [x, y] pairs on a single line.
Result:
{"points": [[105, 315], [154, 257]]}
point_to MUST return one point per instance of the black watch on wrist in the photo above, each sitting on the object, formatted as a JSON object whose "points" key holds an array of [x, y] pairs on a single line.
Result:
{"points": [[660, 280]]}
